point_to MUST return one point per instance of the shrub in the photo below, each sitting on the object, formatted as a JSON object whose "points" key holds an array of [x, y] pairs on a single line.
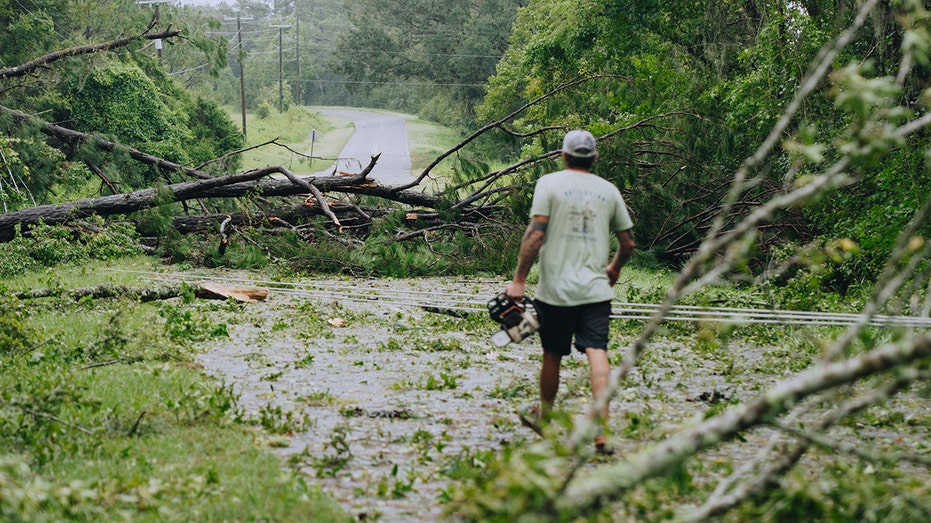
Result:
{"points": [[51, 245], [15, 334]]}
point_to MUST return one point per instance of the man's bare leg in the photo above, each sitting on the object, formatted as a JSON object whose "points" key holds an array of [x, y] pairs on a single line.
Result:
{"points": [[549, 381], [600, 374]]}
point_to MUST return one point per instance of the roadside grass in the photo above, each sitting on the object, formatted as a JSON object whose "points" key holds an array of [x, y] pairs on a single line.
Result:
{"points": [[104, 415], [293, 128], [427, 141], [87, 273]]}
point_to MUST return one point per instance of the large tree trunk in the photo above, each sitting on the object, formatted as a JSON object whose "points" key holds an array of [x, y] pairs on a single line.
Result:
{"points": [[232, 186]]}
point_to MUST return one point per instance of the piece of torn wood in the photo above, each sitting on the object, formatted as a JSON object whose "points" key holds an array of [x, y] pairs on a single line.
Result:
{"points": [[244, 294]]}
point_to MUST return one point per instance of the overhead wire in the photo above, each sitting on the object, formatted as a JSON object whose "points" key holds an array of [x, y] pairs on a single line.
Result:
{"points": [[472, 303]]}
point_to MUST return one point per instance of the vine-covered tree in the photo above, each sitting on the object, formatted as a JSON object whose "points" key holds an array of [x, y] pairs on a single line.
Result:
{"points": [[125, 93]]}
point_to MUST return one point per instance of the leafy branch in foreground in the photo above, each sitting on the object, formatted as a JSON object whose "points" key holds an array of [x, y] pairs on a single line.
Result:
{"points": [[612, 480], [741, 485]]}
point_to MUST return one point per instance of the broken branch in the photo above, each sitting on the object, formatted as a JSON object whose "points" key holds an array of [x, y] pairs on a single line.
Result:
{"points": [[28, 67]]}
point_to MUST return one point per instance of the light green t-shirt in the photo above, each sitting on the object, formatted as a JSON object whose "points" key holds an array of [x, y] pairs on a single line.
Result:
{"points": [[584, 210]]}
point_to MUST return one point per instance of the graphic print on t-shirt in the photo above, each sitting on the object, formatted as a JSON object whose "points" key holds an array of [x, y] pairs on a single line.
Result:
{"points": [[583, 205], [582, 219]]}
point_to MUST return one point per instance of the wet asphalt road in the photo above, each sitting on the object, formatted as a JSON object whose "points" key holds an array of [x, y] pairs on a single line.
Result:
{"points": [[375, 133]]}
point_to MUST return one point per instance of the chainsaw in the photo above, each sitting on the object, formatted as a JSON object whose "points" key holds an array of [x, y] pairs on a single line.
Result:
{"points": [[518, 318]]}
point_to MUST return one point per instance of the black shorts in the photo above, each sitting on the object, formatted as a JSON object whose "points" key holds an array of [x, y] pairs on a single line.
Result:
{"points": [[588, 323]]}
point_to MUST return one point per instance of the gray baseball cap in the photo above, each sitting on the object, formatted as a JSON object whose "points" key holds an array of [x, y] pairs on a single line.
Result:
{"points": [[579, 143]]}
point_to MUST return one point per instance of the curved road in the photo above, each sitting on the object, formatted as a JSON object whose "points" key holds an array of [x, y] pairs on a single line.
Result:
{"points": [[375, 133]]}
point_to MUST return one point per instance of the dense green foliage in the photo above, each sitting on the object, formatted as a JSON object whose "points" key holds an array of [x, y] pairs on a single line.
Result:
{"points": [[126, 96], [421, 56], [700, 84], [48, 246]]}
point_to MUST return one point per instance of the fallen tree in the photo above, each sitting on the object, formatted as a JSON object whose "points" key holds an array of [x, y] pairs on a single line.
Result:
{"points": [[163, 291], [118, 204], [255, 182], [44, 60], [473, 200]]}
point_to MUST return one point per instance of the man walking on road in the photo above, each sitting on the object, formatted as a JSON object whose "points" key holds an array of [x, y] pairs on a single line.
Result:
{"points": [[573, 215]]}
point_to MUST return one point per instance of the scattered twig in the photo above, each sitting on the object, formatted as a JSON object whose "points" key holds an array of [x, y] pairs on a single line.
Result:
{"points": [[533, 133], [38, 414], [135, 427], [110, 362], [854, 450], [421, 233], [611, 480], [103, 177], [310, 187], [736, 487], [447, 312]]}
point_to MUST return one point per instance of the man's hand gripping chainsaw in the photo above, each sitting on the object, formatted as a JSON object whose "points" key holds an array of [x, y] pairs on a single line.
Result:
{"points": [[518, 319]]}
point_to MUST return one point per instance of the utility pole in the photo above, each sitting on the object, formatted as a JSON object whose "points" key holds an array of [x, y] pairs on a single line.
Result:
{"points": [[297, 53], [280, 82], [313, 139], [242, 70], [158, 41]]}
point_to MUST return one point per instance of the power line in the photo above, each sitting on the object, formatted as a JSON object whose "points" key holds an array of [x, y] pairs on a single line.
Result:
{"points": [[451, 33], [415, 84], [360, 82], [471, 303], [26, 9], [425, 55], [368, 51], [189, 69], [242, 71], [280, 64]]}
